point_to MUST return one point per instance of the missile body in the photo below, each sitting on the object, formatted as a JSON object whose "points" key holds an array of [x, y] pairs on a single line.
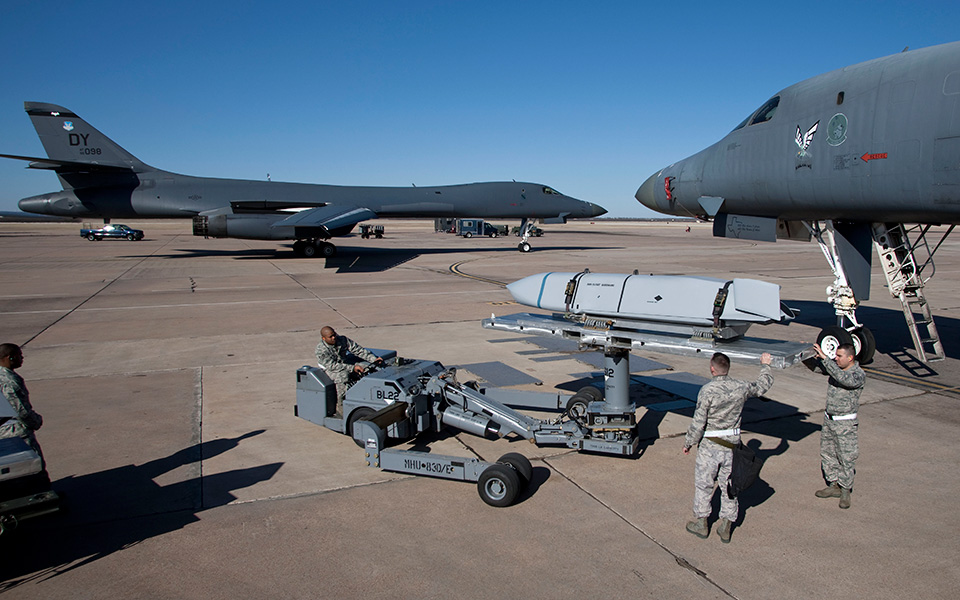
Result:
{"points": [[699, 302]]}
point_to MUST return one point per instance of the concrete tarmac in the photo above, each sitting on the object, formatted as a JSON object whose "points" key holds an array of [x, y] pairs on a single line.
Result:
{"points": [[165, 372]]}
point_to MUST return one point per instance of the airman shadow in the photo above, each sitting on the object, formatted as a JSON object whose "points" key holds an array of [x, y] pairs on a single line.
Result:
{"points": [[114, 509], [756, 494]]}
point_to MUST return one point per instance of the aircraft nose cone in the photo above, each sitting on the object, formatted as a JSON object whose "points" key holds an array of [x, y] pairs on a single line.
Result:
{"points": [[645, 194], [595, 210]]}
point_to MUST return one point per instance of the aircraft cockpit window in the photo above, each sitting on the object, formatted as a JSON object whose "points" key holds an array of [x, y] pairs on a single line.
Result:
{"points": [[550, 191], [766, 113], [743, 123]]}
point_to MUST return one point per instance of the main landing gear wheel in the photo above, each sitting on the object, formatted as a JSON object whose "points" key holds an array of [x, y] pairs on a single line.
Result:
{"points": [[499, 485], [523, 247], [327, 250], [312, 249]]}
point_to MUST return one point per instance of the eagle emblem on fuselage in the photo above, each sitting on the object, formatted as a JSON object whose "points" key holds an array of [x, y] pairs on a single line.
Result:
{"points": [[803, 139]]}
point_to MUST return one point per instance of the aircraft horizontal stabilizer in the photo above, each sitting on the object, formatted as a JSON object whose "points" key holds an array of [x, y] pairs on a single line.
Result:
{"points": [[67, 166]]}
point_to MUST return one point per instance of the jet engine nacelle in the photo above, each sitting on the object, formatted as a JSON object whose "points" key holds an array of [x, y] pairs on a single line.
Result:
{"points": [[223, 223]]}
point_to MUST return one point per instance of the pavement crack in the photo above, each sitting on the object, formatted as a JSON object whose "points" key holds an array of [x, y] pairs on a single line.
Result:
{"points": [[96, 293], [681, 561], [314, 294]]}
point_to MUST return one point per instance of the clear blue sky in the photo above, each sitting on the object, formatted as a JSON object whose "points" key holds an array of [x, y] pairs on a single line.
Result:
{"points": [[589, 98]]}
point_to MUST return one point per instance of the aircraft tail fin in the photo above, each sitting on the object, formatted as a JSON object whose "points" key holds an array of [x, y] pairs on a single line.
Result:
{"points": [[69, 139]]}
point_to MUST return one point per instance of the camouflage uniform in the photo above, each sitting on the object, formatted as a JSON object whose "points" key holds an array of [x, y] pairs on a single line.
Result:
{"points": [[719, 406], [333, 360], [838, 438], [27, 420]]}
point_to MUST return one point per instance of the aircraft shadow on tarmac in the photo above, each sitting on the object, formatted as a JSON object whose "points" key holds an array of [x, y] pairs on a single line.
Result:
{"points": [[354, 259], [888, 328], [117, 508]]}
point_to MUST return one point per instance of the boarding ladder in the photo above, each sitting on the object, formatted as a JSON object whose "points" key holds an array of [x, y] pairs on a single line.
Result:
{"points": [[898, 258]]}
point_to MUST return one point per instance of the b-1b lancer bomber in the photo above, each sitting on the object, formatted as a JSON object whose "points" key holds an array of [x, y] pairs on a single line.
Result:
{"points": [[867, 153], [102, 180]]}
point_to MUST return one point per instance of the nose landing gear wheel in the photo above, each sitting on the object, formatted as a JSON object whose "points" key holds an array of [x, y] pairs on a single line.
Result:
{"points": [[865, 344], [523, 247], [833, 337]]}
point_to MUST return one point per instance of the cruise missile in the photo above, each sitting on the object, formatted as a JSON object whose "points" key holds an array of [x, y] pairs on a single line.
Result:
{"points": [[700, 306]]}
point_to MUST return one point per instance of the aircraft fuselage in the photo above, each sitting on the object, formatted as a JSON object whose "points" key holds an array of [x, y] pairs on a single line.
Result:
{"points": [[877, 141]]}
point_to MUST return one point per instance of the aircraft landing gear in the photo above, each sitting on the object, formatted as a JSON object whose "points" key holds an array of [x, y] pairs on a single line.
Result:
{"points": [[861, 338], [526, 229], [840, 294], [314, 248]]}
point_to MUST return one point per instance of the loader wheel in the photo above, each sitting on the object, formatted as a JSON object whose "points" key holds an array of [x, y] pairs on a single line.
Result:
{"points": [[356, 415], [521, 465], [499, 485], [577, 408], [591, 392]]}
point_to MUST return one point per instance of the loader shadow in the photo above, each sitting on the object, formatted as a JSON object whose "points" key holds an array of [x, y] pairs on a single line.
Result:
{"points": [[118, 508]]}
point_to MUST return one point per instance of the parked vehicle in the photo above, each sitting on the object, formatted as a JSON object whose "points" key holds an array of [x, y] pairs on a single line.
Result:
{"points": [[112, 232], [471, 227], [535, 232], [368, 231]]}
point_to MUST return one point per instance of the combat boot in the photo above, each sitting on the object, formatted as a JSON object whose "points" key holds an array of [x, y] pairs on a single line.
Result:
{"points": [[726, 525], [844, 498], [699, 527], [831, 491]]}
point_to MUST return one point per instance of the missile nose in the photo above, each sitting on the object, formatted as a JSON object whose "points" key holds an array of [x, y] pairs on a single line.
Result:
{"points": [[527, 290], [645, 194]]}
